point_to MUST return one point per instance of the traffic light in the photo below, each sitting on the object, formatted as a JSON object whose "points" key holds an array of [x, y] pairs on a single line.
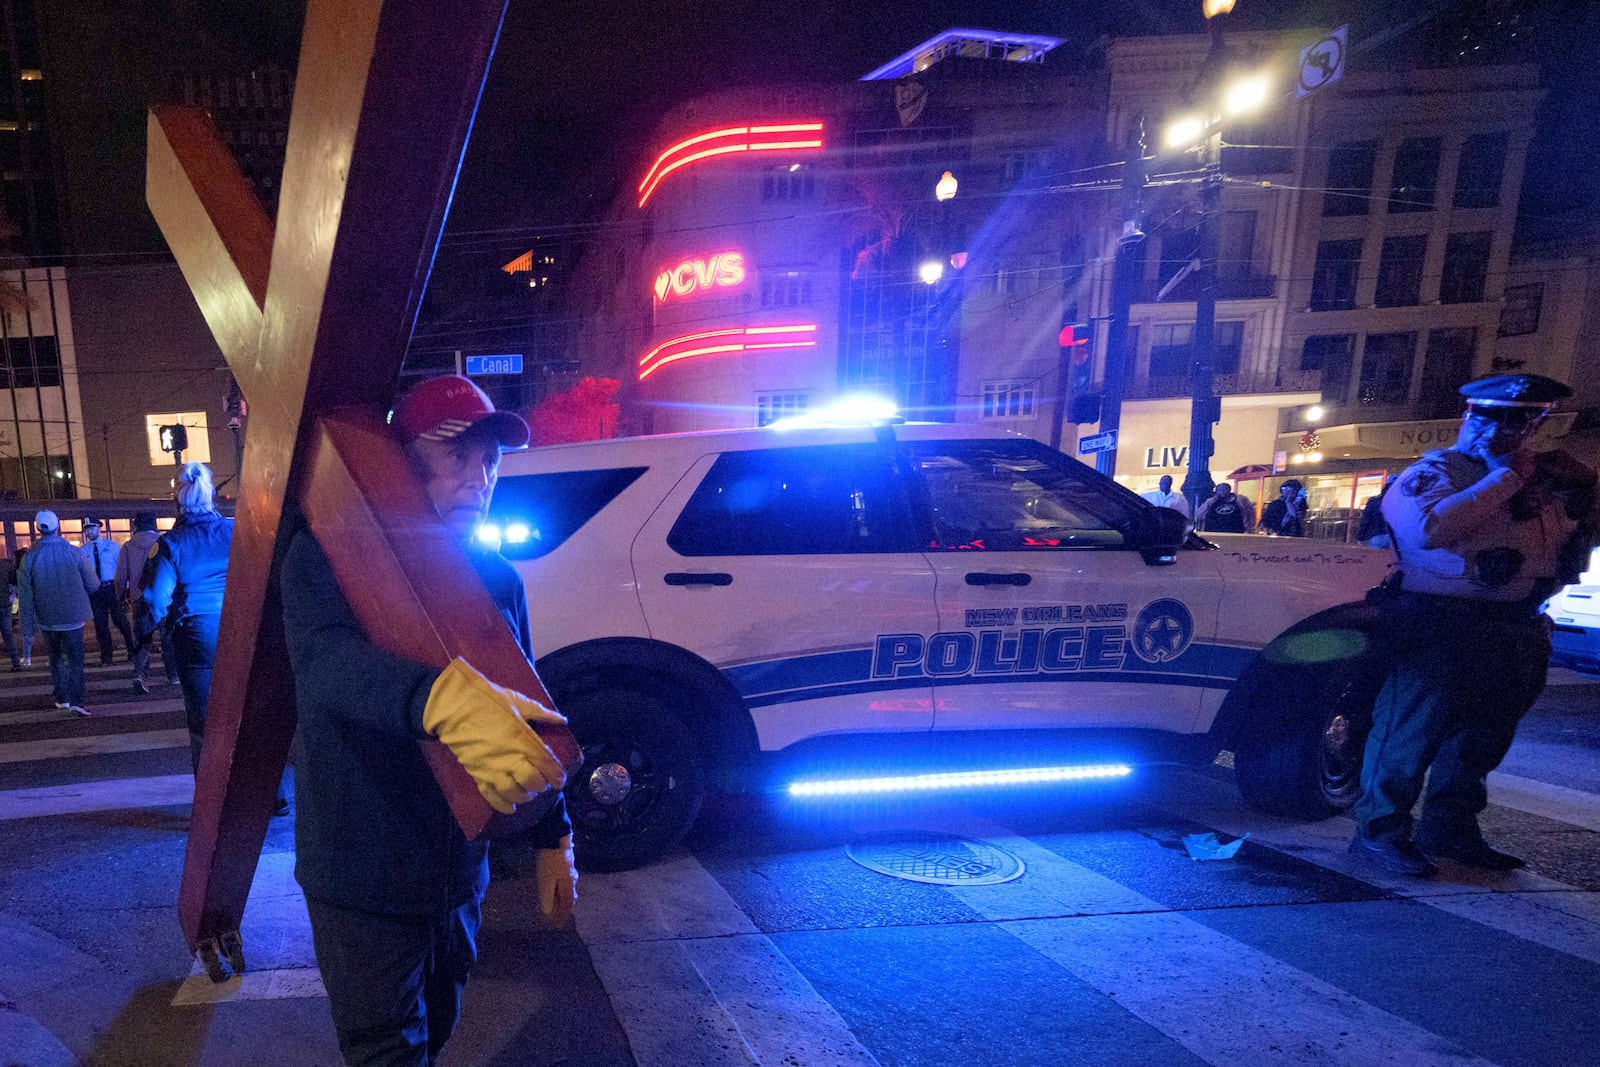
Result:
{"points": [[1074, 340], [174, 438]]}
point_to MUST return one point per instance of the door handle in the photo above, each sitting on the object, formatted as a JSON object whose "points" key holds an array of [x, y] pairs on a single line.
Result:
{"points": [[980, 578], [697, 578]]}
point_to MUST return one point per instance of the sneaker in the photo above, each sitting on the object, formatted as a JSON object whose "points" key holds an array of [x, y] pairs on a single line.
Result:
{"points": [[78, 709], [140, 687], [1400, 857], [16, 666], [27, 661], [282, 807], [62, 705]]}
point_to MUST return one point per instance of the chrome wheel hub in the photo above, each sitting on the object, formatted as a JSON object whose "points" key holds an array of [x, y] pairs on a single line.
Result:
{"points": [[610, 783]]}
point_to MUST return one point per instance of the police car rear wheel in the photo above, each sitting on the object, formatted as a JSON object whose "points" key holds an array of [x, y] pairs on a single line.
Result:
{"points": [[641, 783], [1308, 766]]}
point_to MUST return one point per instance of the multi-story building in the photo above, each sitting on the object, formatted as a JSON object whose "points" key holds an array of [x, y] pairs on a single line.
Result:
{"points": [[770, 256]]}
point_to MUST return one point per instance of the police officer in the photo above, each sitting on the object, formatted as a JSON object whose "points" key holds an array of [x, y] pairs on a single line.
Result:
{"points": [[1484, 532]]}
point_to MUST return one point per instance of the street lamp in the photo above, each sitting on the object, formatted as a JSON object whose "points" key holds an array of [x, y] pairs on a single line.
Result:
{"points": [[931, 271], [1219, 100], [945, 188]]}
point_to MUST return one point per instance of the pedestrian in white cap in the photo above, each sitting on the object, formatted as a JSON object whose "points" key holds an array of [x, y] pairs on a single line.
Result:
{"points": [[54, 586]]}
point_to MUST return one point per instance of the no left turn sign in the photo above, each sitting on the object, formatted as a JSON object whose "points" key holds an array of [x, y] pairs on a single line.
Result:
{"points": [[1322, 63]]}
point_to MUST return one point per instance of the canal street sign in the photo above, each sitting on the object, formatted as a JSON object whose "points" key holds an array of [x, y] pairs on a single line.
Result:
{"points": [[1097, 442], [479, 366]]}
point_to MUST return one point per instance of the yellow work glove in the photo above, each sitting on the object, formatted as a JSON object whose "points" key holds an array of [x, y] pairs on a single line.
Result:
{"points": [[558, 882], [483, 725]]}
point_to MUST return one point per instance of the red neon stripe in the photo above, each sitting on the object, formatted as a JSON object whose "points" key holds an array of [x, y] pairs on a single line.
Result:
{"points": [[681, 145], [809, 327], [690, 158], [784, 144], [725, 332], [661, 167], [793, 127], [783, 344], [688, 354]]}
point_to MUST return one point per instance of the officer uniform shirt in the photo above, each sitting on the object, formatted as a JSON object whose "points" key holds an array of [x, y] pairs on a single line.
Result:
{"points": [[1452, 524]]}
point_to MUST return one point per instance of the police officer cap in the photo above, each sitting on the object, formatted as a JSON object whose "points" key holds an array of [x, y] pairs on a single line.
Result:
{"points": [[1514, 391]]}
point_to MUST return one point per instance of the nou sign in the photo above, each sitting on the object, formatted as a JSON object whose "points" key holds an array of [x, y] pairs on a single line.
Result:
{"points": [[721, 271]]}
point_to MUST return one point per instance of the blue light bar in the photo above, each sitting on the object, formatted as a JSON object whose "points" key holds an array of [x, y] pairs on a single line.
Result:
{"points": [[983, 44], [924, 783]]}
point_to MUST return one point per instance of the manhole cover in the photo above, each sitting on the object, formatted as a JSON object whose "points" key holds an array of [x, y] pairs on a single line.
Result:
{"points": [[937, 859]]}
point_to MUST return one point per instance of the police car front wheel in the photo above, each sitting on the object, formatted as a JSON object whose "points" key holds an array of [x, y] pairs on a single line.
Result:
{"points": [[642, 780], [1307, 764]]}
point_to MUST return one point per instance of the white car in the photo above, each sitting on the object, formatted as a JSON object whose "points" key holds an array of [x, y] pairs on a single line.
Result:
{"points": [[1575, 613], [755, 608]]}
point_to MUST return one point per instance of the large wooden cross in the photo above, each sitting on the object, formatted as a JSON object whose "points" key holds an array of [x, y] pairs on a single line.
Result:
{"points": [[314, 316]]}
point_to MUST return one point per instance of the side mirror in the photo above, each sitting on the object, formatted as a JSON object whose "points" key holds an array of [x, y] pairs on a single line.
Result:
{"points": [[1158, 534]]}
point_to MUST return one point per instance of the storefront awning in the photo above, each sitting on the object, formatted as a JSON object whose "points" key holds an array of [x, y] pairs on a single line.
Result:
{"points": [[1398, 440]]}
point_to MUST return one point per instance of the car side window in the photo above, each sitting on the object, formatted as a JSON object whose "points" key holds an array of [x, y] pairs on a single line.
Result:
{"points": [[1017, 496], [822, 500], [536, 513]]}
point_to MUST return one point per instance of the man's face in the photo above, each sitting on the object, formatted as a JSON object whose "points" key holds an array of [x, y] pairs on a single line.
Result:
{"points": [[1487, 437], [92, 532], [1166, 483], [459, 477], [1224, 490]]}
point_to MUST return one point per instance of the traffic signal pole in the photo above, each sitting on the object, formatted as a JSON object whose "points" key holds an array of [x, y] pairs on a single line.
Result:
{"points": [[1124, 283]]}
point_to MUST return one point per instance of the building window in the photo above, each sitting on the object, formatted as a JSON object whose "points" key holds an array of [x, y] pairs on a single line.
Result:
{"points": [[1466, 268], [782, 289], [1333, 280], [1349, 186], [1332, 355], [1023, 164], [770, 407], [1416, 176], [1521, 312], [1171, 346], [199, 443], [1386, 368], [795, 181], [1446, 365], [1007, 400], [1483, 164], [1400, 271], [1227, 344], [27, 362]]}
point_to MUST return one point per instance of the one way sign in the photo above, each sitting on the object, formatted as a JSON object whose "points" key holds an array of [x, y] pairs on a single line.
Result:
{"points": [[1322, 63]]}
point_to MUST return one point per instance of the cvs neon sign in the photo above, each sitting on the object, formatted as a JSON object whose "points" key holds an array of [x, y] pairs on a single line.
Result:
{"points": [[721, 271]]}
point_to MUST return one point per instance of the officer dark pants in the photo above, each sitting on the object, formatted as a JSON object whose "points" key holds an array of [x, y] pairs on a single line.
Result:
{"points": [[108, 611], [394, 981], [1465, 674]]}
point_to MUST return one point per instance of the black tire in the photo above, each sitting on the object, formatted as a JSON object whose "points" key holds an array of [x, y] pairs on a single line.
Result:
{"points": [[628, 734], [1306, 762]]}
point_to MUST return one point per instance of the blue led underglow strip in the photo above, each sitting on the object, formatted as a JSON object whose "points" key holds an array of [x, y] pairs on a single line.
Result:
{"points": [[922, 783]]}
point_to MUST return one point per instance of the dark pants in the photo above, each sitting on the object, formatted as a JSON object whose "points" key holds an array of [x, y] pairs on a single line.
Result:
{"points": [[194, 642], [66, 664], [394, 981], [108, 606], [9, 638], [145, 634], [1463, 677]]}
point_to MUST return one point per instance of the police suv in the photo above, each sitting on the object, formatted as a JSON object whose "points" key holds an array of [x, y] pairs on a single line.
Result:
{"points": [[712, 610]]}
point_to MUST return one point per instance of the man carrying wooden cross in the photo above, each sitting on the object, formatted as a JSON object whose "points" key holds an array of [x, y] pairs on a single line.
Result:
{"points": [[393, 886]]}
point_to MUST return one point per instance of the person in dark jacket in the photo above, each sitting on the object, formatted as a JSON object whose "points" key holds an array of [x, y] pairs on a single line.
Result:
{"points": [[393, 888], [131, 561], [8, 588], [1373, 531], [183, 587], [1223, 512], [54, 588], [1286, 516]]}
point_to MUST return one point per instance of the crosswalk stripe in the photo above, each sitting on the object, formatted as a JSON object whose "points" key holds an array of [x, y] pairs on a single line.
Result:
{"points": [[121, 684], [692, 981], [126, 709], [163, 791], [1522, 903], [1558, 802], [102, 744], [1226, 1002]]}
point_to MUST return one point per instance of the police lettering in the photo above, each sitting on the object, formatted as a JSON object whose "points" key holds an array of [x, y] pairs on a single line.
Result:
{"points": [[1058, 650]]}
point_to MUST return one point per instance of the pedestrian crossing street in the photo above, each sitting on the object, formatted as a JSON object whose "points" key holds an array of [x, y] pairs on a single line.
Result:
{"points": [[763, 943]]}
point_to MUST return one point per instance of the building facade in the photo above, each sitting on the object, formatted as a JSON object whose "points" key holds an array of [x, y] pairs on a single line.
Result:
{"points": [[782, 248]]}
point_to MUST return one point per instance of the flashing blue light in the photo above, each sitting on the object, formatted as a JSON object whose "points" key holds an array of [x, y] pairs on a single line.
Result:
{"points": [[853, 410], [924, 783], [488, 535], [518, 533]]}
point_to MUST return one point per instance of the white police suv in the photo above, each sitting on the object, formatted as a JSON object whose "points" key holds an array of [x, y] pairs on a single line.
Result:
{"points": [[796, 607]]}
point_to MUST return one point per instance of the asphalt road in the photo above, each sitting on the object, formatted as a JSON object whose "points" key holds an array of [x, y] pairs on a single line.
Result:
{"points": [[764, 942]]}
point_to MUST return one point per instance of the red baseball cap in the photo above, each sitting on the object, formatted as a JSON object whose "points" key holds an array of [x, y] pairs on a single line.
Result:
{"points": [[444, 408]]}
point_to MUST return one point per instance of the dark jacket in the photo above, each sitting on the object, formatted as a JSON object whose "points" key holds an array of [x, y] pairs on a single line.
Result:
{"points": [[189, 570], [372, 828], [1279, 518], [54, 586], [1217, 515]]}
